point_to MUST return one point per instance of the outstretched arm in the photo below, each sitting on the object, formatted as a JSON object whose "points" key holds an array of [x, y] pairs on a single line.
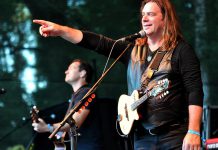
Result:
{"points": [[48, 28]]}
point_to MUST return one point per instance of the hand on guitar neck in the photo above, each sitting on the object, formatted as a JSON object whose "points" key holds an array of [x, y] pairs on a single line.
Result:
{"points": [[40, 126], [34, 114]]}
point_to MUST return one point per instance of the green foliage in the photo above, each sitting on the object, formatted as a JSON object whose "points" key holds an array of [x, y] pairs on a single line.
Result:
{"points": [[17, 147], [114, 18]]}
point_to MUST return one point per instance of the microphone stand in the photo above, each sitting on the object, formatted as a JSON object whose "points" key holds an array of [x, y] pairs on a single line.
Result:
{"points": [[73, 133], [81, 102]]}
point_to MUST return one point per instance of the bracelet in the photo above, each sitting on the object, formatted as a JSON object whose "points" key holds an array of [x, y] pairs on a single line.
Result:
{"points": [[50, 128], [194, 132]]}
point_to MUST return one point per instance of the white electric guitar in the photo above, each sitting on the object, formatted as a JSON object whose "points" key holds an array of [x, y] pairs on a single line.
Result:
{"points": [[127, 105]]}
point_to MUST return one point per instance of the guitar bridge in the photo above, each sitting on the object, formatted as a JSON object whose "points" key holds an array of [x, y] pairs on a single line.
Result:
{"points": [[126, 112]]}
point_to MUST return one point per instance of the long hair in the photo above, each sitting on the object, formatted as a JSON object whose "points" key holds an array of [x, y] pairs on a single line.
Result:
{"points": [[172, 32]]}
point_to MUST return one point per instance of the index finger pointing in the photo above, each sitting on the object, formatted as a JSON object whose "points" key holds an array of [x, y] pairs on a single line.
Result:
{"points": [[41, 22]]}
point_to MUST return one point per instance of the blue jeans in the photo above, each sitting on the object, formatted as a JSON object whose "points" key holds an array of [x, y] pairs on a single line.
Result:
{"points": [[171, 140]]}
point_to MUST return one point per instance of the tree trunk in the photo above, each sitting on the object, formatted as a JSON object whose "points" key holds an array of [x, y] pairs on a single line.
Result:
{"points": [[200, 27]]}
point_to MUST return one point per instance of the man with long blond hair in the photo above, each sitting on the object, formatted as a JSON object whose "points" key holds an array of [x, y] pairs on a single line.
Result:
{"points": [[172, 122]]}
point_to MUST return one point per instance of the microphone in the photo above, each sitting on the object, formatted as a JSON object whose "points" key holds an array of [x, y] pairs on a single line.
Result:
{"points": [[132, 37], [2, 91]]}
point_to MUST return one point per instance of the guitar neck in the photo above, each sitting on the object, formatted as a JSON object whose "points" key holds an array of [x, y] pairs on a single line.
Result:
{"points": [[136, 104], [34, 114], [156, 90]]}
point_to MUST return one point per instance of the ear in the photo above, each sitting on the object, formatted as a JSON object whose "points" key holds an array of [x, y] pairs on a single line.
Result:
{"points": [[82, 73]]}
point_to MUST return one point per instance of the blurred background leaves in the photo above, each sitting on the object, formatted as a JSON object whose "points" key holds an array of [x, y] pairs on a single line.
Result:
{"points": [[32, 67]]}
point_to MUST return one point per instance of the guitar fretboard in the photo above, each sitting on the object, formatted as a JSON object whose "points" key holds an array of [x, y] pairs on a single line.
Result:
{"points": [[136, 104], [163, 85]]}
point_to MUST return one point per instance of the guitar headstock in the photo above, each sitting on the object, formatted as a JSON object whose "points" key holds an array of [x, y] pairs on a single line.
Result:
{"points": [[160, 89], [34, 114]]}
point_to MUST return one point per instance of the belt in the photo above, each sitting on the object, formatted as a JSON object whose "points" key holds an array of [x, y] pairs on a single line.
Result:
{"points": [[162, 129], [172, 125]]}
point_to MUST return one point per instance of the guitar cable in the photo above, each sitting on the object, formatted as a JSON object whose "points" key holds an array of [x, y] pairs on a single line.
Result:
{"points": [[118, 131], [129, 138]]}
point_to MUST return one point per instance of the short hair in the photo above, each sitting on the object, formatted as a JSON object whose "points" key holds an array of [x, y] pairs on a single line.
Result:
{"points": [[87, 67]]}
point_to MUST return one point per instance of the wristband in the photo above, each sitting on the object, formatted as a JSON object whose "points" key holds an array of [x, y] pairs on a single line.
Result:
{"points": [[50, 128], [194, 132]]}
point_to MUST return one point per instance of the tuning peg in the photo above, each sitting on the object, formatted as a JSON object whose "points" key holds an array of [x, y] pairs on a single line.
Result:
{"points": [[160, 96]]}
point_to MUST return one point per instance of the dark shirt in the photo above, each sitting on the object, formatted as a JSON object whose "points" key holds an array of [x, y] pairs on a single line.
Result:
{"points": [[89, 133]]}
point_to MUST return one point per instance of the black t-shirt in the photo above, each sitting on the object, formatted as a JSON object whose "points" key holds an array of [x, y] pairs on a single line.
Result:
{"points": [[89, 133]]}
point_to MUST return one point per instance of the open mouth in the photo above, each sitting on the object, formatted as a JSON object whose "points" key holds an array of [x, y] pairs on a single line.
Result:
{"points": [[147, 26]]}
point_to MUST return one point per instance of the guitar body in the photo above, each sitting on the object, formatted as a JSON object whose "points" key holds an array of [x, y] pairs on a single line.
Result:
{"points": [[127, 105], [59, 141], [59, 146], [125, 114]]}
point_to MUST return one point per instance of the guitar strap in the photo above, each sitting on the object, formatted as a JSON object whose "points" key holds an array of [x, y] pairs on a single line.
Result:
{"points": [[68, 110], [70, 107], [60, 137], [152, 68]]}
